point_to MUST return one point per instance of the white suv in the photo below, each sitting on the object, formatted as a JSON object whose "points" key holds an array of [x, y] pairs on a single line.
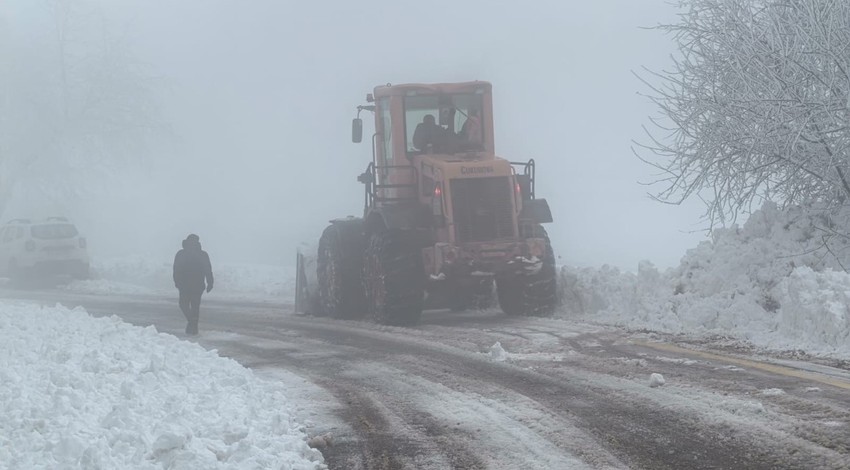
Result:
{"points": [[39, 248]]}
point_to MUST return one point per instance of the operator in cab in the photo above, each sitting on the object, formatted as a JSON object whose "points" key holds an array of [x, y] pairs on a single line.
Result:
{"points": [[429, 136]]}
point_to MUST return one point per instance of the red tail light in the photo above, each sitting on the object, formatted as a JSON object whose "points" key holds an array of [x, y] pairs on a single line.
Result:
{"points": [[30, 245], [82, 242], [517, 188], [437, 200]]}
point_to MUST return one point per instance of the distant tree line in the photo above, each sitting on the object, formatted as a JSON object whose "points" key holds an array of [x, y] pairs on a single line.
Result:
{"points": [[74, 101]]}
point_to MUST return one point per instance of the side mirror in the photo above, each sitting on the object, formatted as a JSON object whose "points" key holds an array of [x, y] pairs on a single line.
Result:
{"points": [[357, 130]]}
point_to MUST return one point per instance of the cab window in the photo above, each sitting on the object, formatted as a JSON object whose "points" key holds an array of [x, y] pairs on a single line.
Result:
{"points": [[386, 131], [450, 113]]}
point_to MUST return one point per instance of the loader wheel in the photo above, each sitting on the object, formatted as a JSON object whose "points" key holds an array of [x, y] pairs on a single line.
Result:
{"points": [[484, 296], [339, 268], [527, 295], [394, 278]]}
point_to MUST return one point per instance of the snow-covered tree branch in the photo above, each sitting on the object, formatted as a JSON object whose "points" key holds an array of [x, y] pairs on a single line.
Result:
{"points": [[755, 106]]}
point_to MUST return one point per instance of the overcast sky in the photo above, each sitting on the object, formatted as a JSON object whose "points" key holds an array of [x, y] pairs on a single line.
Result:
{"points": [[260, 95]]}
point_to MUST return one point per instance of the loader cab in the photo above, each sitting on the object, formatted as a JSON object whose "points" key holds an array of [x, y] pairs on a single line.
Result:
{"points": [[460, 116], [462, 113]]}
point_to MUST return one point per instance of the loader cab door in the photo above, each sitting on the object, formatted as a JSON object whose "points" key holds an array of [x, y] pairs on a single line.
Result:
{"points": [[393, 170], [384, 125]]}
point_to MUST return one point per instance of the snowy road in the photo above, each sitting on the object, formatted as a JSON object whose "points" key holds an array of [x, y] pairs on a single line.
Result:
{"points": [[550, 394]]}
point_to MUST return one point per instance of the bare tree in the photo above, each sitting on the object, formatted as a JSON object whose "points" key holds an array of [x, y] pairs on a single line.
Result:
{"points": [[755, 106], [76, 101]]}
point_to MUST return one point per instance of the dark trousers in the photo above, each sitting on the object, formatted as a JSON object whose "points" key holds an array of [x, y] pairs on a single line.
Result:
{"points": [[190, 304]]}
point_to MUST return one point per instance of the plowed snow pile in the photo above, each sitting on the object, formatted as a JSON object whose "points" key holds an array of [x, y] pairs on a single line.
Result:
{"points": [[84, 392], [772, 282]]}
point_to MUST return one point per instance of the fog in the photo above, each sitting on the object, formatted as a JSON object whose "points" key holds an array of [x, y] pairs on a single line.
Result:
{"points": [[256, 99]]}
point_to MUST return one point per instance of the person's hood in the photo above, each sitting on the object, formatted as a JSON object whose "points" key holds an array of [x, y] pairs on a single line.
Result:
{"points": [[191, 244]]}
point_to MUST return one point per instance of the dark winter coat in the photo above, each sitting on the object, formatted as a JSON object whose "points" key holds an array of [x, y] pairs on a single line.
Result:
{"points": [[192, 267], [429, 133]]}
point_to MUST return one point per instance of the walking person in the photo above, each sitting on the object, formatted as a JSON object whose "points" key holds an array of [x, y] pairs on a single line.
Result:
{"points": [[192, 275]]}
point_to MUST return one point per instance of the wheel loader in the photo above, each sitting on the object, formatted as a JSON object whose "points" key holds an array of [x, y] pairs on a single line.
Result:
{"points": [[446, 221]]}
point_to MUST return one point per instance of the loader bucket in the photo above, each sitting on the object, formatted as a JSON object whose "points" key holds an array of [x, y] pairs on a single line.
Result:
{"points": [[306, 293]]}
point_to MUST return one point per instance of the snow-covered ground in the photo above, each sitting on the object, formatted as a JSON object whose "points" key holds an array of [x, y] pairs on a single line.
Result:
{"points": [[114, 395], [84, 392], [771, 282]]}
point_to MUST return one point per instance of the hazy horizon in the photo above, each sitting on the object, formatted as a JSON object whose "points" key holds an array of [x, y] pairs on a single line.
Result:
{"points": [[258, 97]]}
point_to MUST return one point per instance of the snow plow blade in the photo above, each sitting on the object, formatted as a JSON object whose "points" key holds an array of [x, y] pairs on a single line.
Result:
{"points": [[306, 293]]}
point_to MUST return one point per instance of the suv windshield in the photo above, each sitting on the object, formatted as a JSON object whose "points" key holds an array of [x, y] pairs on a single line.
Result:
{"points": [[443, 123], [54, 231]]}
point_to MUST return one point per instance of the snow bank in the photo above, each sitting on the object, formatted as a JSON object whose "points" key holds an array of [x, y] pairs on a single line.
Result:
{"points": [[84, 392], [144, 275], [771, 282]]}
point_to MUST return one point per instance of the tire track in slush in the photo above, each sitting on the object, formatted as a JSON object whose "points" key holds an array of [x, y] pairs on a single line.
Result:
{"points": [[390, 436], [384, 447], [630, 430]]}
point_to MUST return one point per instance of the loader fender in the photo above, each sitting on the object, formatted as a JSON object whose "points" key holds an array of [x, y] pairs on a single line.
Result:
{"points": [[535, 211], [349, 224]]}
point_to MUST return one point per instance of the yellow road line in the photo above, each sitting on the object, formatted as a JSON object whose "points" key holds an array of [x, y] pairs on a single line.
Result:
{"points": [[765, 366]]}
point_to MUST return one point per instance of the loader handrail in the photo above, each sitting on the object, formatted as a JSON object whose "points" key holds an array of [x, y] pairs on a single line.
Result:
{"points": [[529, 172], [370, 179]]}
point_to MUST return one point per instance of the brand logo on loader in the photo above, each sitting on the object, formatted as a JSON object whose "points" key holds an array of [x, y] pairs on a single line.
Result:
{"points": [[476, 170]]}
